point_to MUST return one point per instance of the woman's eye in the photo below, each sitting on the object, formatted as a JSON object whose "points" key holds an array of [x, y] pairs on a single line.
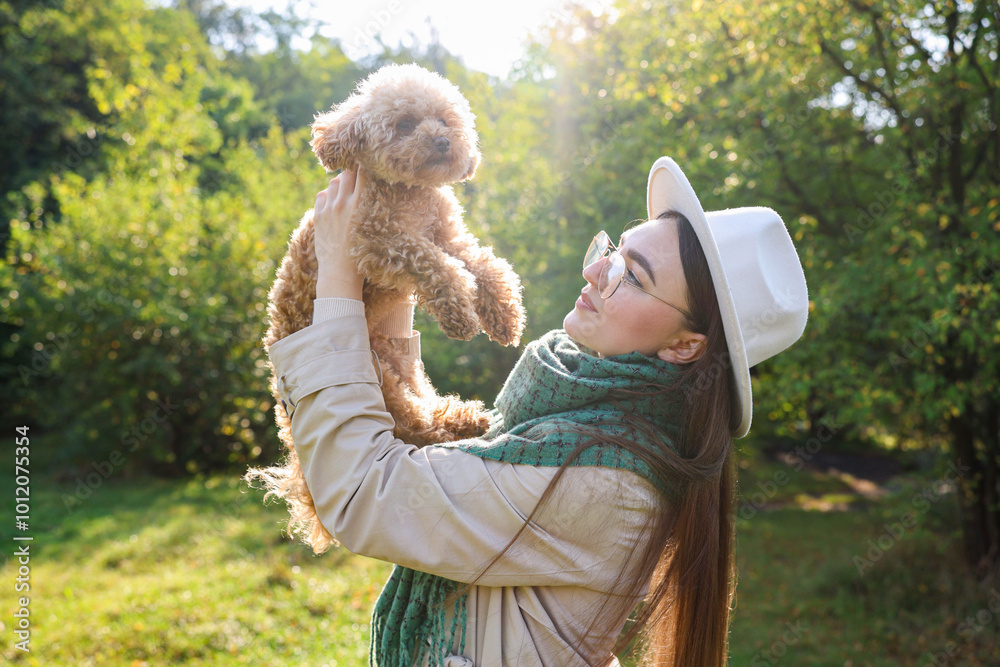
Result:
{"points": [[630, 276]]}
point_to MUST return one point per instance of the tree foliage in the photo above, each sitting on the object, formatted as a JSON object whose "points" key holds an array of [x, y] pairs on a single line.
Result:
{"points": [[160, 160], [872, 128], [139, 281]]}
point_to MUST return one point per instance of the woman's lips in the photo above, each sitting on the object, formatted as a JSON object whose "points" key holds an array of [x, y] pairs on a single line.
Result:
{"points": [[583, 302]]}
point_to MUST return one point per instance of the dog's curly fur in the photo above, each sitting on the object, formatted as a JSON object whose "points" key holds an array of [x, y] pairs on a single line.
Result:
{"points": [[413, 133]]}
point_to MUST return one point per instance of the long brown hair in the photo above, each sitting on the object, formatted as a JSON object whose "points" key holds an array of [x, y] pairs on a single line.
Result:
{"points": [[684, 619], [689, 558]]}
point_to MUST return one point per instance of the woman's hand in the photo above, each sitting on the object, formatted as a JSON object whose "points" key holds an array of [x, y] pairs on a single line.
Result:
{"points": [[338, 272]]}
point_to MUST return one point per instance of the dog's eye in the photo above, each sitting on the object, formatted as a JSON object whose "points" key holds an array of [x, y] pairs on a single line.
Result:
{"points": [[443, 122], [406, 125]]}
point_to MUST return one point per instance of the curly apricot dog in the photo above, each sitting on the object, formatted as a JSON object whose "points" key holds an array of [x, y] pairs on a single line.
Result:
{"points": [[413, 133]]}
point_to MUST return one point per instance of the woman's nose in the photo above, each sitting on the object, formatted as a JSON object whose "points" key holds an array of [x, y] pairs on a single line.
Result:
{"points": [[592, 272]]}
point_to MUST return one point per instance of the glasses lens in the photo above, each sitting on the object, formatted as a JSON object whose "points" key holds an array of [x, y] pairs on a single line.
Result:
{"points": [[597, 248], [611, 275]]}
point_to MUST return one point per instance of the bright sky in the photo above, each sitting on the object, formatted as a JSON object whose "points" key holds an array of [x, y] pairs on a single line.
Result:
{"points": [[489, 35]]}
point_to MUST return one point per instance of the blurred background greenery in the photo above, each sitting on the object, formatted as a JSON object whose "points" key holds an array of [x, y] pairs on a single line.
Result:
{"points": [[156, 160]]}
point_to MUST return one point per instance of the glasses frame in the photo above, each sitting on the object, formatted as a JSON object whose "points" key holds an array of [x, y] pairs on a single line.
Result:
{"points": [[605, 254]]}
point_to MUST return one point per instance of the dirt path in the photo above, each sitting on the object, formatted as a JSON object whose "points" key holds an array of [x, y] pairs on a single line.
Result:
{"points": [[862, 474]]}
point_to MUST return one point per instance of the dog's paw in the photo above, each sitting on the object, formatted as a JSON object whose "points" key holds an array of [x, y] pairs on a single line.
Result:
{"points": [[459, 325], [455, 315], [457, 419], [503, 321], [474, 427]]}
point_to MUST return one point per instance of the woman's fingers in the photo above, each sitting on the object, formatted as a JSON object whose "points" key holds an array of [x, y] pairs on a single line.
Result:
{"points": [[349, 178], [346, 188], [332, 214], [325, 195], [338, 272], [340, 193], [362, 179]]}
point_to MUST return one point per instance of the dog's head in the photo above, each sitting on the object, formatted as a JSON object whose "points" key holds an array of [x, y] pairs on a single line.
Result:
{"points": [[403, 124]]}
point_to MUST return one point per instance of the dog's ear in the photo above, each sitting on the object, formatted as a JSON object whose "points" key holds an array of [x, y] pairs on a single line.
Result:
{"points": [[337, 136]]}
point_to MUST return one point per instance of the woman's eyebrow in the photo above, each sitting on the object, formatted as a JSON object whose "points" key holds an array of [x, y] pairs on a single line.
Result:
{"points": [[643, 262]]}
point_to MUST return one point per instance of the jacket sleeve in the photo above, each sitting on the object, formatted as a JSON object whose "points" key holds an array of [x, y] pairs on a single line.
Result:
{"points": [[439, 509]]}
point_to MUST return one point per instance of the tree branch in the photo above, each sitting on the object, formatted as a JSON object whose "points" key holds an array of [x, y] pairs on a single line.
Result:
{"points": [[907, 35], [955, 120], [991, 99], [880, 45], [806, 202], [870, 87]]}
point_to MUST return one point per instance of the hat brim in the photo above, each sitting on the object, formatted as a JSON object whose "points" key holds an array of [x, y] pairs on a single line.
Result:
{"points": [[668, 188]]}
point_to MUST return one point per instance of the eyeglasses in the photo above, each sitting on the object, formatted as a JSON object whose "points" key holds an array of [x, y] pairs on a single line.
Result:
{"points": [[615, 272]]}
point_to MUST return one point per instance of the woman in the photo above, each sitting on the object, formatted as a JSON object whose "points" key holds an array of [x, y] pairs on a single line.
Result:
{"points": [[606, 478]]}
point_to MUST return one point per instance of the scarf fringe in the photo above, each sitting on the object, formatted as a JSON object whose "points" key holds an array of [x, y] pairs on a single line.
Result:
{"points": [[403, 633], [554, 389]]}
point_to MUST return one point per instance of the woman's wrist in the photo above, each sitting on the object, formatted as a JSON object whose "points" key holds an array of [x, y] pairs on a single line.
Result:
{"points": [[331, 282]]}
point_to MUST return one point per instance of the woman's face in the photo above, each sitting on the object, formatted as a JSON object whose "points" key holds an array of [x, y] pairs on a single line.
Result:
{"points": [[631, 320]]}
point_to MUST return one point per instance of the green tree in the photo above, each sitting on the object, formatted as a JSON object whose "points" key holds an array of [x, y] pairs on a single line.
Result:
{"points": [[872, 128], [45, 105], [892, 164], [134, 292]]}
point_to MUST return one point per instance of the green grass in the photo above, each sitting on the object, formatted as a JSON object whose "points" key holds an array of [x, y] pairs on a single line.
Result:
{"points": [[193, 572], [154, 572], [833, 585]]}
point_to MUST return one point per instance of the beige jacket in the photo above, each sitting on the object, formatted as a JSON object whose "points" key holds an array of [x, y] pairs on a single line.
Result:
{"points": [[447, 512]]}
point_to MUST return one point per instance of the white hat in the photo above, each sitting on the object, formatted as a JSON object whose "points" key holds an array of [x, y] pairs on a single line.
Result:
{"points": [[757, 275]]}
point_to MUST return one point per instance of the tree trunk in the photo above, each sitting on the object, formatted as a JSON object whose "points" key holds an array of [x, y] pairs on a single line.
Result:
{"points": [[991, 440], [977, 490]]}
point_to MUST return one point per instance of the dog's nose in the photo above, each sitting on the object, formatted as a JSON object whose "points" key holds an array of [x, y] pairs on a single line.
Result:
{"points": [[442, 144]]}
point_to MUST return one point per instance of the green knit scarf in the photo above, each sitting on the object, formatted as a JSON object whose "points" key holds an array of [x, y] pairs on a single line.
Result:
{"points": [[557, 397]]}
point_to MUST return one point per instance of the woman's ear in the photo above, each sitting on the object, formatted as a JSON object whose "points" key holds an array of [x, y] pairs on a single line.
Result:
{"points": [[684, 349], [337, 136]]}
